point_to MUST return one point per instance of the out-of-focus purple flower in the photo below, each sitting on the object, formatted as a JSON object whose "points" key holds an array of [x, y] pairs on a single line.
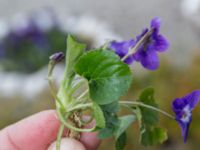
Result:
{"points": [[182, 108], [146, 54], [150, 42], [27, 32], [2, 51], [33, 29], [57, 57], [122, 48]]}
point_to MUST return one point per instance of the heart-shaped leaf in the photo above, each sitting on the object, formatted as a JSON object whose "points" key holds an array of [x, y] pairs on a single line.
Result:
{"points": [[108, 77]]}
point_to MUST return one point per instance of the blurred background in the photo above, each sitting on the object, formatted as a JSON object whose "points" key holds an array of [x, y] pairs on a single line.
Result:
{"points": [[30, 31]]}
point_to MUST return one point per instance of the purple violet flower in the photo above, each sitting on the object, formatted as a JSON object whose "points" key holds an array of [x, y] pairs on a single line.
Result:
{"points": [[122, 48], [182, 108], [146, 53]]}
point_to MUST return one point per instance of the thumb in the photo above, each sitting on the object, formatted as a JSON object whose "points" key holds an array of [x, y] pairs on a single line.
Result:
{"points": [[68, 144]]}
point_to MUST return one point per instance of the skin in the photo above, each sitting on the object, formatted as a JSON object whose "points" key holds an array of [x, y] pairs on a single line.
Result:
{"points": [[39, 131], [68, 144]]}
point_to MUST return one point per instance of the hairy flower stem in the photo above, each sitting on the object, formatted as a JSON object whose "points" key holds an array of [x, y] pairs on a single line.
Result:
{"points": [[78, 85], [132, 50], [51, 66], [83, 94], [84, 106], [147, 106], [59, 136]]}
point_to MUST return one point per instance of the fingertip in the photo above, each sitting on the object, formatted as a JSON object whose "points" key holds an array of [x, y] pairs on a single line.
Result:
{"points": [[68, 144], [40, 129], [90, 140]]}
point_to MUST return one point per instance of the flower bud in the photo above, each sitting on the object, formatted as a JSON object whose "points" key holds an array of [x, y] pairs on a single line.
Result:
{"points": [[57, 57]]}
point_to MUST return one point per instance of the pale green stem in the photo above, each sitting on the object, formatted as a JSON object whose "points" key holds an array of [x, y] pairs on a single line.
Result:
{"points": [[80, 106], [59, 136], [105, 46], [76, 86], [49, 78], [51, 87], [83, 94], [80, 100], [51, 84], [83, 106], [147, 106], [50, 68]]}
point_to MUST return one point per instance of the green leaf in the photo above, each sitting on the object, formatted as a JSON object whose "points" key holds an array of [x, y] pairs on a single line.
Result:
{"points": [[153, 136], [150, 134], [74, 51], [121, 142], [111, 108], [124, 123], [120, 134], [108, 77], [149, 117], [112, 121], [105, 133], [98, 115]]}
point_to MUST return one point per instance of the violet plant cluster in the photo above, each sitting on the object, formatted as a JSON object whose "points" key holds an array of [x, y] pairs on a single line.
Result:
{"points": [[105, 72]]}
